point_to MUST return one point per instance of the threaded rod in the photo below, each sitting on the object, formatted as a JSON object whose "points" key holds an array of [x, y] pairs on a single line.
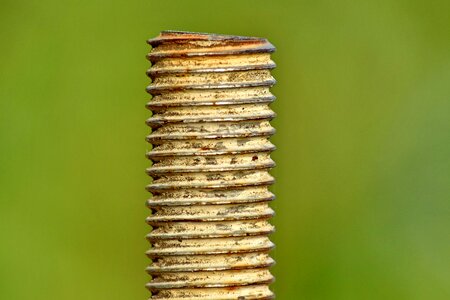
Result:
{"points": [[211, 161]]}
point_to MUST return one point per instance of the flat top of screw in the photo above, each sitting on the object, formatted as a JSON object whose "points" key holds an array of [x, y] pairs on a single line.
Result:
{"points": [[174, 35]]}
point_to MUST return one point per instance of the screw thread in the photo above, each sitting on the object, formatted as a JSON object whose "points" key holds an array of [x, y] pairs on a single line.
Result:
{"points": [[211, 161]]}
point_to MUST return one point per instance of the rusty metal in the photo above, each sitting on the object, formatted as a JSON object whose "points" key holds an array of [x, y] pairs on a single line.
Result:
{"points": [[211, 161]]}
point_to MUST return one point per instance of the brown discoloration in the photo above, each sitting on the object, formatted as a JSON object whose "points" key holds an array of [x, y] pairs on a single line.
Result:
{"points": [[211, 157]]}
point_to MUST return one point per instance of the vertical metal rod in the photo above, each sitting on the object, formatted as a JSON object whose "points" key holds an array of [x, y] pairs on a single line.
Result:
{"points": [[211, 161]]}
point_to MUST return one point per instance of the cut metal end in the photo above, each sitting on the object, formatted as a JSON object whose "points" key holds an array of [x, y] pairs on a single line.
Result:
{"points": [[177, 35], [191, 44]]}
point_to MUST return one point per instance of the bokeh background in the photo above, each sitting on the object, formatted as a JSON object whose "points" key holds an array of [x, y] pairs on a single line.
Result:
{"points": [[363, 142]]}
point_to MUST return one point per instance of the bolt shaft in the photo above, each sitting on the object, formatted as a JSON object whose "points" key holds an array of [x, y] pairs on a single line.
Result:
{"points": [[211, 161]]}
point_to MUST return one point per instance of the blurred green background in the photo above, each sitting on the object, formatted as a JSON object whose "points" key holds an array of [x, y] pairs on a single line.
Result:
{"points": [[363, 142]]}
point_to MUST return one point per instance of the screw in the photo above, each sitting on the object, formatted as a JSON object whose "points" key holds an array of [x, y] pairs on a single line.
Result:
{"points": [[211, 157]]}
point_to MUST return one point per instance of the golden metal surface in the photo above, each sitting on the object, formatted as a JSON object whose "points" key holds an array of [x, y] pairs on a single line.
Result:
{"points": [[211, 161]]}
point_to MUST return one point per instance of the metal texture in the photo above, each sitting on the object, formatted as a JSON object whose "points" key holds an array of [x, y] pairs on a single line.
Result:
{"points": [[211, 161]]}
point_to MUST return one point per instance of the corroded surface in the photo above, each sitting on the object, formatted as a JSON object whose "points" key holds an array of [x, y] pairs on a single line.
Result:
{"points": [[211, 157]]}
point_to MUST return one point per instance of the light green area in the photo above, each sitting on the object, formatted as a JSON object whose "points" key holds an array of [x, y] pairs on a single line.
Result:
{"points": [[363, 142]]}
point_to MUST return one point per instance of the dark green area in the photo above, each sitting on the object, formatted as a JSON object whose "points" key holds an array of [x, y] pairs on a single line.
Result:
{"points": [[363, 140]]}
